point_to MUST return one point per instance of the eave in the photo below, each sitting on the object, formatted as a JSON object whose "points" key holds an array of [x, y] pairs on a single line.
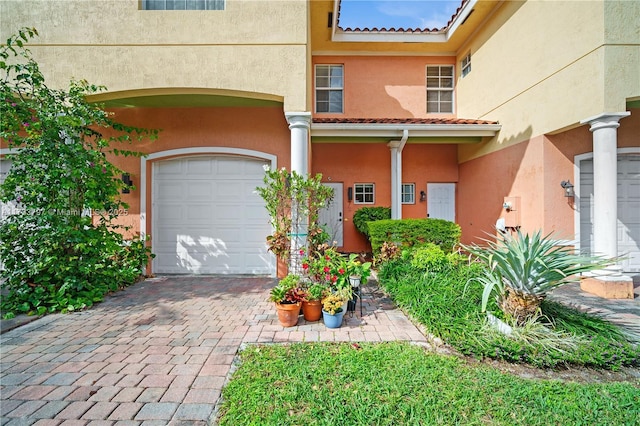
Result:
{"points": [[390, 131]]}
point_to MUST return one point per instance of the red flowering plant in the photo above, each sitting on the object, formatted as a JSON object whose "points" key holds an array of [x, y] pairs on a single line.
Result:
{"points": [[328, 267]]}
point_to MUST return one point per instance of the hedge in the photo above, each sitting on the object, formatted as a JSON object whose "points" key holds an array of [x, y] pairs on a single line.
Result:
{"points": [[414, 232], [364, 215]]}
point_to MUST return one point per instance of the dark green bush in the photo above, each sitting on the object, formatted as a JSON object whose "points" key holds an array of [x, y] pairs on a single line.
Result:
{"points": [[369, 214], [54, 265], [414, 232]]}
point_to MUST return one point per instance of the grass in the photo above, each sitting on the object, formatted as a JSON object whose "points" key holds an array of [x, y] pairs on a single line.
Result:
{"points": [[402, 384], [447, 303]]}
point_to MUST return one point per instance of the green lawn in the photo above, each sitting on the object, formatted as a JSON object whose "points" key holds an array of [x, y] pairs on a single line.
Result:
{"points": [[402, 384]]}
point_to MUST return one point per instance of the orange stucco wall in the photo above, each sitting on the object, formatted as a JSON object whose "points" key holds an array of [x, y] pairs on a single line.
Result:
{"points": [[351, 163], [259, 129], [383, 87], [531, 170]]}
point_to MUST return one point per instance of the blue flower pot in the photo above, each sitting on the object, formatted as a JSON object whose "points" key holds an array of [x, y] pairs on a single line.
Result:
{"points": [[333, 321]]}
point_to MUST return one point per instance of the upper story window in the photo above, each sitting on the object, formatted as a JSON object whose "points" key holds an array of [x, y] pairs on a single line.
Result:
{"points": [[329, 88], [183, 4], [466, 64], [439, 88], [364, 193]]}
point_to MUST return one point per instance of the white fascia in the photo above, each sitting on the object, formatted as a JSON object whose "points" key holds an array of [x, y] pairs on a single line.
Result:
{"points": [[396, 130], [443, 36]]}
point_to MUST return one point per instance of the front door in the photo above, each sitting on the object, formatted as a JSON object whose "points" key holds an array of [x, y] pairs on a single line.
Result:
{"points": [[441, 201], [330, 217]]}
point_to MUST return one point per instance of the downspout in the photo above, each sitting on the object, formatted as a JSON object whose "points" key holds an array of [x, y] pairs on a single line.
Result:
{"points": [[396, 174]]}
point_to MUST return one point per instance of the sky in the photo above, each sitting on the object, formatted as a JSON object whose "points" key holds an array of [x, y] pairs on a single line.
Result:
{"points": [[397, 13]]}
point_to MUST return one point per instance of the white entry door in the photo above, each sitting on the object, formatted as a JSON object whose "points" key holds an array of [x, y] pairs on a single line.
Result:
{"points": [[331, 218], [628, 210], [441, 201], [208, 218]]}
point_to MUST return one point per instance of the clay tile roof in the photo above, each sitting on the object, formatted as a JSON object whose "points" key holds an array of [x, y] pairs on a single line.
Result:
{"points": [[400, 121], [400, 30]]}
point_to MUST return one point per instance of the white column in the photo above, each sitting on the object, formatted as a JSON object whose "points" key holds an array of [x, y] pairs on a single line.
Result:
{"points": [[396, 179], [299, 124], [605, 184]]}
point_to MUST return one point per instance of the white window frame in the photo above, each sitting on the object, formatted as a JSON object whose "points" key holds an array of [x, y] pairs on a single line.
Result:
{"points": [[361, 190], [162, 4], [329, 89], [408, 193], [440, 88], [465, 65]]}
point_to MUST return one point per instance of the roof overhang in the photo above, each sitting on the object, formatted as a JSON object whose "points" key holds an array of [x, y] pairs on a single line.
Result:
{"points": [[384, 130], [443, 35]]}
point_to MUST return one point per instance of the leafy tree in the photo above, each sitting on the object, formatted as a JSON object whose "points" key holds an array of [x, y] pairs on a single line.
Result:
{"points": [[61, 247]]}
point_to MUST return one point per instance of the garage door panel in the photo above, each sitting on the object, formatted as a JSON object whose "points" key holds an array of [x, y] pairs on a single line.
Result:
{"points": [[171, 191], [169, 213], [230, 191], [199, 189], [169, 169], [208, 218], [200, 213], [196, 168]]}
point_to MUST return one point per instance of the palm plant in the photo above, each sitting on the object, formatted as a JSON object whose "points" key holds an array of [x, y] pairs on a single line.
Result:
{"points": [[521, 270]]}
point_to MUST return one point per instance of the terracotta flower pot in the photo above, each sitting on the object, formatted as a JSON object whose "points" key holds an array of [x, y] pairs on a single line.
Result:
{"points": [[288, 313], [312, 310]]}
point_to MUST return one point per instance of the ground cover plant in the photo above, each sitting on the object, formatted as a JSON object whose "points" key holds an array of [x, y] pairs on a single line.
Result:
{"points": [[61, 246], [403, 384], [446, 299]]}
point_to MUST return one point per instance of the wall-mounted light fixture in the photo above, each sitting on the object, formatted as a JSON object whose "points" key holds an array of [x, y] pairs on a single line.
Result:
{"points": [[568, 188], [126, 179], [349, 193], [423, 196]]}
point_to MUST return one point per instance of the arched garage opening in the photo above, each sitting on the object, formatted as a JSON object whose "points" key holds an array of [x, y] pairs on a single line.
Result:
{"points": [[206, 217]]}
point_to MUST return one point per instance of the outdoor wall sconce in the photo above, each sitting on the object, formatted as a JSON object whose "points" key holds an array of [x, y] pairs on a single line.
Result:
{"points": [[126, 179], [568, 188], [349, 193], [423, 196]]}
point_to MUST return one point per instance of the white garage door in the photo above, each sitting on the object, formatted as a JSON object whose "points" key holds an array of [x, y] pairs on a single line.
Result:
{"points": [[207, 217], [628, 210]]}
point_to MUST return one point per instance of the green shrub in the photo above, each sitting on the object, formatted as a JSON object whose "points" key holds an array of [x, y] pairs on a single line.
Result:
{"points": [[414, 232], [369, 214], [431, 258]]}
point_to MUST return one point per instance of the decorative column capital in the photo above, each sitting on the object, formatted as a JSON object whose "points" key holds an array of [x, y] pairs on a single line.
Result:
{"points": [[605, 120], [298, 120]]}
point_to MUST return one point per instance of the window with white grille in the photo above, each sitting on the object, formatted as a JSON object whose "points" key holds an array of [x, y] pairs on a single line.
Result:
{"points": [[466, 64], [440, 89], [329, 88], [408, 193], [364, 193]]}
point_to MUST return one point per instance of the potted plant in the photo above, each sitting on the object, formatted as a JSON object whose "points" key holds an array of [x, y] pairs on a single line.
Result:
{"points": [[332, 310], [287, 296], [358, 271], [312, 302]]}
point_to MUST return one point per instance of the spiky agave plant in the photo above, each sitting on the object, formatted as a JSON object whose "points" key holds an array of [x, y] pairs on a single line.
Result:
{"points": [[522, 269]]}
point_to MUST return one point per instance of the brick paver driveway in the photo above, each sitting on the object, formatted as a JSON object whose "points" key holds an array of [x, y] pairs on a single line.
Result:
{"points": [[157, 353]]}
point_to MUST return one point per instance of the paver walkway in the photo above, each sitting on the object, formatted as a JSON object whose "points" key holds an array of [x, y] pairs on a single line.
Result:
{"points": [[156, 353], [623, 312]]}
